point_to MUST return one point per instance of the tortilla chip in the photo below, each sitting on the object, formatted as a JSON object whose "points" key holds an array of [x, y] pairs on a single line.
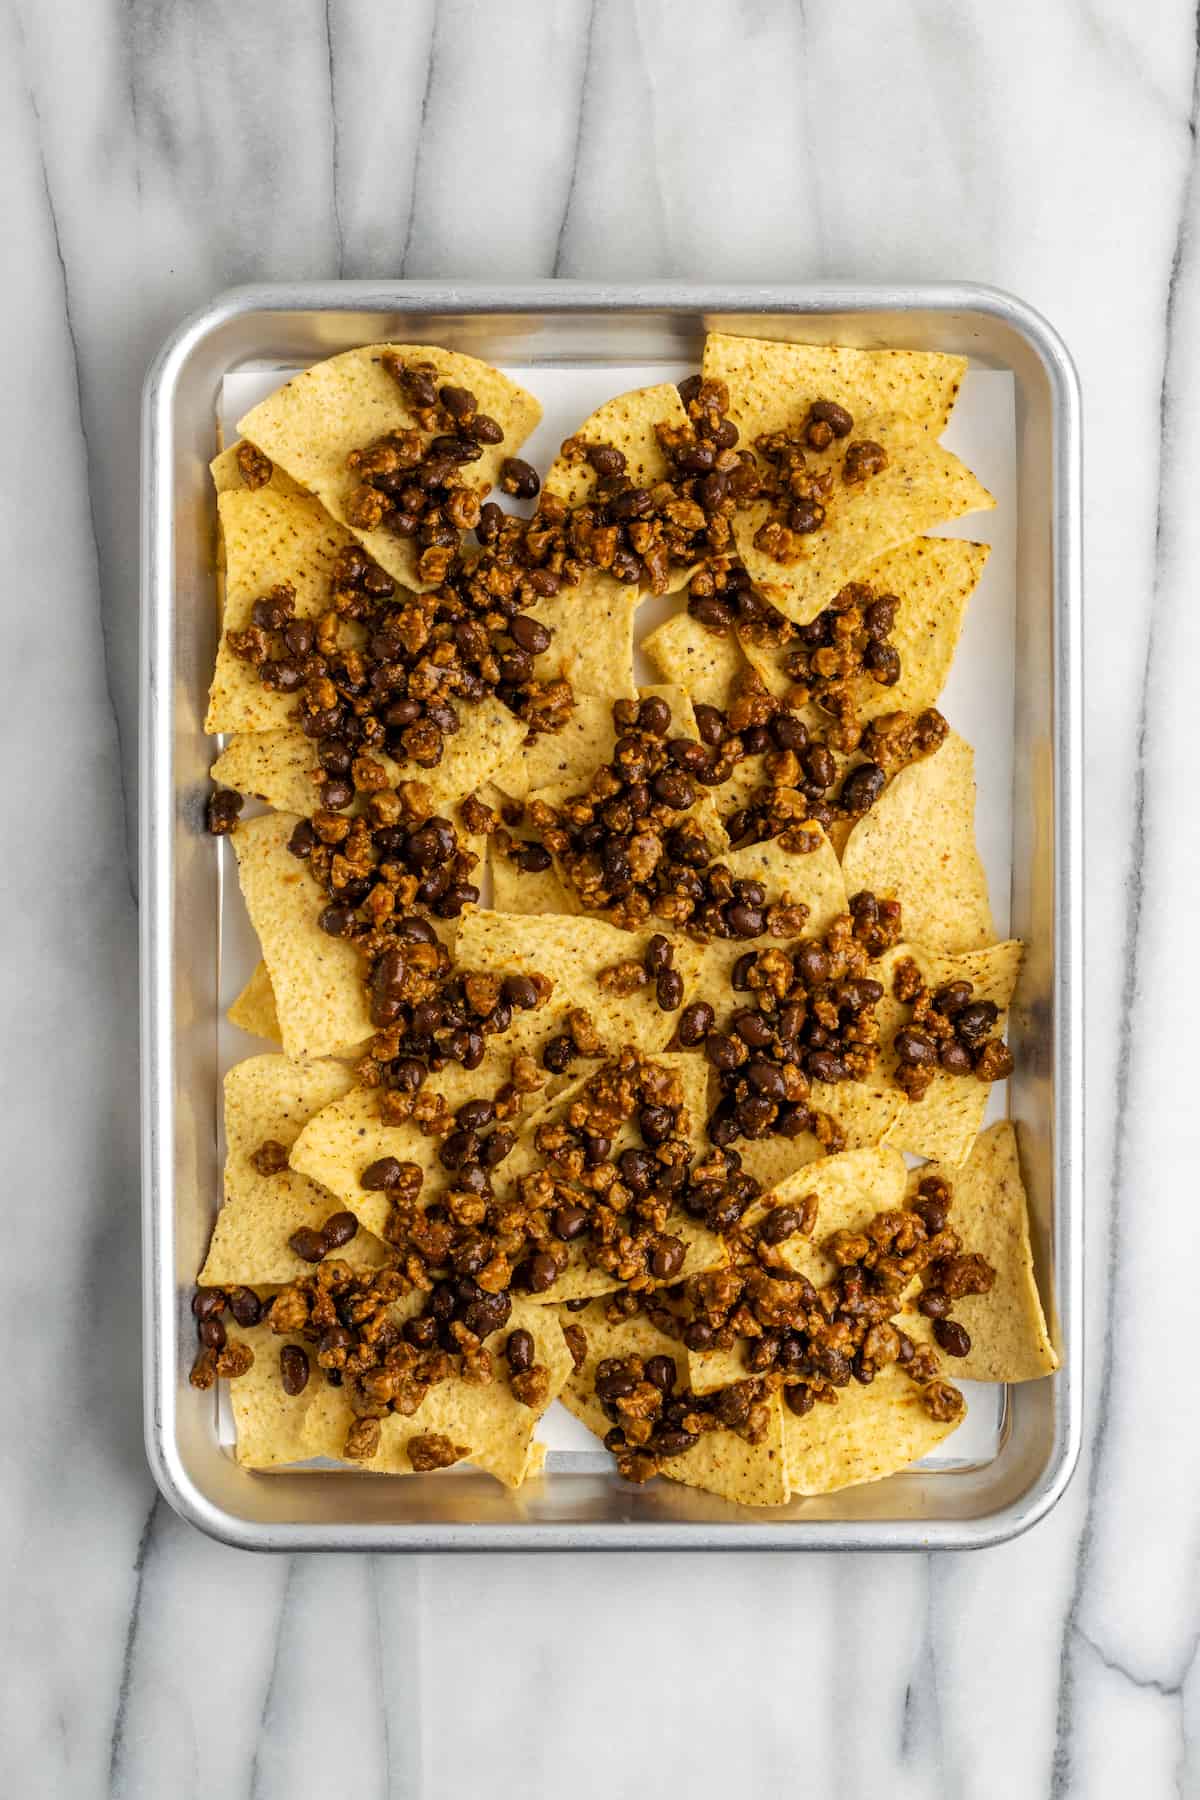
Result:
{"points": [[695, 659], [572, 953], [269, 536], [917, 845], [540, 891], [270, 1098], [865, 1110], [281, 766], [703, 1249], [311, 424], [933, 578], [270, 1424], [1007, 1328], [317, 979], [338, 1143], [772, 384], [563, 761], [254, 1009], [922, 485], [850, 1189], [871, 1432], [495, 1429], [227, 475], [593, 634], [627, 423], [945, 1123], [721, 1463]]}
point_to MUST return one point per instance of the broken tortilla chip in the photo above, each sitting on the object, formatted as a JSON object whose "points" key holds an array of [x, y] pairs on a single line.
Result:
{"points": [[627, 424], [254, 1009], [872, 1432], [281, 766], [945, 1122], [849, 1190], [593, 634], [773, 384], [494, 1429], [312, 424], [317, 979], [269, 536], [339, 1142], [933, 578], [270, 1100], [721, 1463], [227, 475], [703, 1249], [695, 659], [917, 846], [573, 953], [989, 1211], [270, 1423], [920, 486]]}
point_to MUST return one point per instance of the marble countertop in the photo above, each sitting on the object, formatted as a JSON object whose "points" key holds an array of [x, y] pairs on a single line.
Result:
{"points": [[155, 154]]}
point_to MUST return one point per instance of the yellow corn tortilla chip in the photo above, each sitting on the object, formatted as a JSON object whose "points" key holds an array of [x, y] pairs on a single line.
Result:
{"points": [[562, 761], [945, 1123], [311, 424], [280, 766], [871, 1432], [703, 1249], [269, 536], [917, 845], [270, 1424], [922, 485], [572, 953], [850, 1189], [495, 1428], [1007, 1328], [686, 653], [593, 634], [227, 475], [721, 1463], [340, 1141], [317, 979], [540, 891], [772, 384], [933, 578], [865, 1110], [254, 1009], [627, 423], [268, 1098]]}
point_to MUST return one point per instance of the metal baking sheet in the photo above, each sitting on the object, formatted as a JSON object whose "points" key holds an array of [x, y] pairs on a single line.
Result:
{"points": [[1016, 424]]}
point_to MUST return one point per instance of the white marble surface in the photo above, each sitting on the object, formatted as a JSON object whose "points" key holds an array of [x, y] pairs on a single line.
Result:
{"points": [[153, 154]]}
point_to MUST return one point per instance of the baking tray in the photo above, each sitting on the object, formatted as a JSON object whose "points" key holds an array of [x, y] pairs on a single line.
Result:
{"points": [[580, 1503]]}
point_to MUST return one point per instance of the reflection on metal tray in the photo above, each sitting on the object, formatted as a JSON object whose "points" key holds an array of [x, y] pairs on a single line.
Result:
{"points": [[1020, 1454]]}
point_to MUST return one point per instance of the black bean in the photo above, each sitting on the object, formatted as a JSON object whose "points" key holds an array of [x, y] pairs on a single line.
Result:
{"points": [[520, 1350], [660, 1371], [916, 1048], [245, 1306], [695, 1022], [212, 1332], [309, 1245], [569, 1221], [293, 1369], [746, 921], [766, 1078], [668, 990], [519, 478], [338, 1229], [951, 1337], [384, 1172], [528, 634], [710, 723], [667, 1259], [862, 788], [542, 1272]]}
